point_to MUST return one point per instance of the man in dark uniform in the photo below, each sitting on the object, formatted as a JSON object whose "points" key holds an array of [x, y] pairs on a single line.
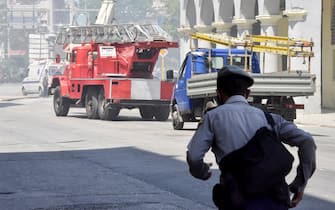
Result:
{"points": [[233, 123]]}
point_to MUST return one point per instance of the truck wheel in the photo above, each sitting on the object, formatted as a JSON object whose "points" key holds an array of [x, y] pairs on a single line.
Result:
{"points": [[161, 113], [146, 113], [105, 112], [289, 114], [177, 120], [61, 104], [91, 104]]}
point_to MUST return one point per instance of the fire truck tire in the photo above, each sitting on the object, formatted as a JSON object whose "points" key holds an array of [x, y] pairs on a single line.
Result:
{"points": [[177, 121], [61, 104], [91, 104], [146, 113], [162, 113], [104, 112]]}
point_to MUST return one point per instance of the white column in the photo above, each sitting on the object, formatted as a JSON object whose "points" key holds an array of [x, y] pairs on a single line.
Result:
{"points": [[244, 16], [296, 29], [244, 26], [187, 18], [269, 62], [184, 42], [203, 29], [303, 24], [204, 12], [223, 27]]}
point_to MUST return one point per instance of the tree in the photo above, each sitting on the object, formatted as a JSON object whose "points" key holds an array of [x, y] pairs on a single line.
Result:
{"points": [[171, 20], [126, 11]]}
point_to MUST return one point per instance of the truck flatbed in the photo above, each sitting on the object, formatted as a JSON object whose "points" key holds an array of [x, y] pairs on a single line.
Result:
{"points": [[269, 84]]}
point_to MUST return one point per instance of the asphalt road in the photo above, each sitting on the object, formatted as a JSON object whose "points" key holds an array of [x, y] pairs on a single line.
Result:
{"points": [[50, 162]]}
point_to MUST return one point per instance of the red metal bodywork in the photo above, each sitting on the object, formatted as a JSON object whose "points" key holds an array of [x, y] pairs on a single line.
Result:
{"points": [[124, 70]]}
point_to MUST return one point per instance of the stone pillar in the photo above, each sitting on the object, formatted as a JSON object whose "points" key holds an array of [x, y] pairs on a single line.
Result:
{"points": [[184, 42], [223, 15], [296, 28], [269, 62], [244, 16], [204, 17], [187, 20], [223, 27], [203, 29], [244, 26], [303, 24]]}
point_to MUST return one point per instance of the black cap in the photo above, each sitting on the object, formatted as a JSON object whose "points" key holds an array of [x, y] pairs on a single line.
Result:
{"points": [[230, 70]]}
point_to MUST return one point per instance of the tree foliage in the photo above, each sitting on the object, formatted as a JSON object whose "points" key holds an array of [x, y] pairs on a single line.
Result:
{"points": [[129, 11], [171, 20]]}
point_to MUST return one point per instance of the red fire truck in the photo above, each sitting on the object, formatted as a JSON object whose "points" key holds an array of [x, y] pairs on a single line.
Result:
{"points": [[110, 68]]}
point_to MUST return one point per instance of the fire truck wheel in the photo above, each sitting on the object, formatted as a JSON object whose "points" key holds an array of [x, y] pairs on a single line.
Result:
{"points": [[162, 113], [177, 121], [146, 113], [105, 112], [61, 104], [91, 104]]}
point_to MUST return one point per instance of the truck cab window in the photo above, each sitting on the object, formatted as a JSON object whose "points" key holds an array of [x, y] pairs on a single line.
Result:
{"points": [[145, 53], [238, 61], [217, 63], [182, 69], [74, 57]]}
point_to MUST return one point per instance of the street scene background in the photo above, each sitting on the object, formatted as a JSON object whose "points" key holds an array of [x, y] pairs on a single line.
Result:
{"points": [[50, 162]]}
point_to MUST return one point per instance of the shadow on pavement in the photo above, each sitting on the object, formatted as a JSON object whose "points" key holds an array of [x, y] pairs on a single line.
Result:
{"points": [[117, 178], [8, 104]]}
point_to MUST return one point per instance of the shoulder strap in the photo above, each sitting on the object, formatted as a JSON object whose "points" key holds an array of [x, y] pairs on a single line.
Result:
{"points": [[269, 118]]}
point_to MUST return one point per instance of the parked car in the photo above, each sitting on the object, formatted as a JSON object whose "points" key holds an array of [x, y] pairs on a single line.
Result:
{"points": [[39, 77]]}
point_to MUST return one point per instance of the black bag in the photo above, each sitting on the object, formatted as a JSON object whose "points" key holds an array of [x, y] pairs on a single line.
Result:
{"points": [[259, 167]]}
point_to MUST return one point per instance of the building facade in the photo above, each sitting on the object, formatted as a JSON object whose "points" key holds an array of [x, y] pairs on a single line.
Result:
{"points": [[310, 20], [328, 54]]}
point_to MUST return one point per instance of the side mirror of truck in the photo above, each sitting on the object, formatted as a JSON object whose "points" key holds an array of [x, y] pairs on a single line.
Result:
{"points": [[169, 75]]}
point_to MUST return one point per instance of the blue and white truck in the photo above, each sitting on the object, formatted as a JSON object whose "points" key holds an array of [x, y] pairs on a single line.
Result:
{"points": [[274, 92]]}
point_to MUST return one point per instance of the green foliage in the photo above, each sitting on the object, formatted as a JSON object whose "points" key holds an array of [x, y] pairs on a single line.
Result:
{"points": [[141, 11], [90, 4], [130, 11], [171, 20], [126, 11]]}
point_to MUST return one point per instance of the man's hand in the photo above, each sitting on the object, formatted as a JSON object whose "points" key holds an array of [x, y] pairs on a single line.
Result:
{"points": [[297, 197], [209, 173]]}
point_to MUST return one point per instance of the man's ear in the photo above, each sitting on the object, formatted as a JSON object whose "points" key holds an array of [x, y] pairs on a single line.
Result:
{"points": [[221, 97], [247, 93]]}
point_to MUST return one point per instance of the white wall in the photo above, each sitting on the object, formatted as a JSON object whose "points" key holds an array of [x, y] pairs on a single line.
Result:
{"points": [[245, 15]]}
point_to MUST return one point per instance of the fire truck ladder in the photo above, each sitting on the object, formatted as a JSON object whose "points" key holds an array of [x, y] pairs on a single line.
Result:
{"points": [[111, 34], [264, 44]]}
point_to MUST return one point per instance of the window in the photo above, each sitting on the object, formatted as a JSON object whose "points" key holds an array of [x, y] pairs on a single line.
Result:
{"points": [[182, 70], [74, 57], [239, 61], [217, 63]]}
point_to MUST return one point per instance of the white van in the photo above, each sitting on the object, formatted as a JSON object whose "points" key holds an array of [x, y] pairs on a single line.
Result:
{"points": [[39, 77]]}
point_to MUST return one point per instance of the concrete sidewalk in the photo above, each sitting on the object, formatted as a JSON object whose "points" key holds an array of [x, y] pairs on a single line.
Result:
{"points": [[325, 119]]}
